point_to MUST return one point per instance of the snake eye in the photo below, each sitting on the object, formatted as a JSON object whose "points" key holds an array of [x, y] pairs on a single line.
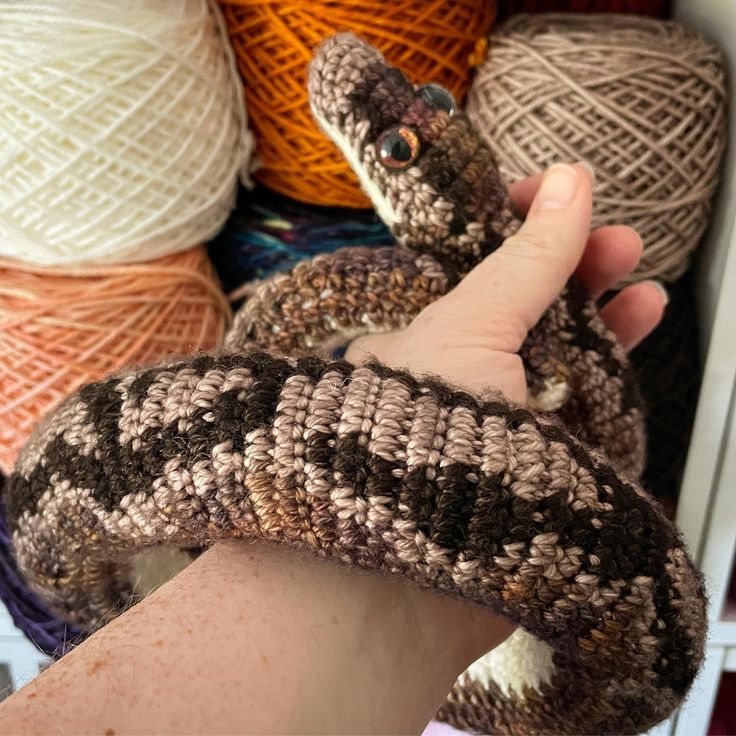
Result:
{"points": [[438, 97], [397, 147]]}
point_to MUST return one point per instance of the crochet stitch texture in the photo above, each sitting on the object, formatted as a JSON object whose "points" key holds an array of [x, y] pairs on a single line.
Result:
{"points": [[472, 497]]}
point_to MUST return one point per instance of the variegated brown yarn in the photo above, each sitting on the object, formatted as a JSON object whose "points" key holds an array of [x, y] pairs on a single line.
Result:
{"points": [[473, 498], [324, 302]]}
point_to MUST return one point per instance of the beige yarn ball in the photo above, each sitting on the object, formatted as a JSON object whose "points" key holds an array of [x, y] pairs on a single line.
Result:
{"points": [[123, 129], [641, 100]]}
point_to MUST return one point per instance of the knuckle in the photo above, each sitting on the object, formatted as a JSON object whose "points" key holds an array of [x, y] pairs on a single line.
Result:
{"points": [[534, 243]]}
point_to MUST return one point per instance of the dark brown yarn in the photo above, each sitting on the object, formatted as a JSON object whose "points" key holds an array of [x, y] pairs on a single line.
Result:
{"points": [[658, 8], [668, 366]]}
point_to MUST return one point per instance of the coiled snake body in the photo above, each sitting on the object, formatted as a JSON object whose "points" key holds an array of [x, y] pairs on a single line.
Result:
{"points": [[472, 497]]}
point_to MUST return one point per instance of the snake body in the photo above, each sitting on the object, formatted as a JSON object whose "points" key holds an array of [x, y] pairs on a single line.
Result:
{"points": [[472, 497]]}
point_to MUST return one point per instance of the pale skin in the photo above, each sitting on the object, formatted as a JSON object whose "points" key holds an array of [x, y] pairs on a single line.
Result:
{"points": [[254, 639]]}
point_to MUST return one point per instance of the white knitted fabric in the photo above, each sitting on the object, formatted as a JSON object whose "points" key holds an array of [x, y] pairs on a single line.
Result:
{"points": [[520, 662], [123, 129]]}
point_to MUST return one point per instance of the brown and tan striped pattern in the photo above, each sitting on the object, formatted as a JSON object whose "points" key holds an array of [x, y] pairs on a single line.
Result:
{"points": [[474, 498], [478, 499]]}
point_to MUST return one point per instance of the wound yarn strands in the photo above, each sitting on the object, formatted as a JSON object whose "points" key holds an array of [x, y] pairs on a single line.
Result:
{"points": [[274, 42], [124, 129], [660, 8], [642, 100], [60, 329]]}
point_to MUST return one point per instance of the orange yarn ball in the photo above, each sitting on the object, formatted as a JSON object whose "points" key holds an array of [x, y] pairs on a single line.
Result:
{"points": [[274, 40], [62, 328]]}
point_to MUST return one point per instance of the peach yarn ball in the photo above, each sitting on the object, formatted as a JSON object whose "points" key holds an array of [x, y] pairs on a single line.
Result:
{"points": [[60, 329], [274, 41]]}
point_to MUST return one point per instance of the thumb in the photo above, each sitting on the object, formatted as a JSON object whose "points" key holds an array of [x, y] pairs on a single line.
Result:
{"points": [[525, 275]]}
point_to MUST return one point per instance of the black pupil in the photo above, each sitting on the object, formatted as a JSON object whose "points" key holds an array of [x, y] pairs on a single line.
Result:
{"points": [[437, 97], [397, 148]]}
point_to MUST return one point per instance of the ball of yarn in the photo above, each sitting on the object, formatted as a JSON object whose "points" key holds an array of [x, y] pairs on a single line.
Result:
{"points": [[660, 8], [274, 40], [61, 329], [642, 100], [123, 129]]}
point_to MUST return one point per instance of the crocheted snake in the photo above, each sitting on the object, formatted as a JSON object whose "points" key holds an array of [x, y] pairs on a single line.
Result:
{"points": [[470, 496]]}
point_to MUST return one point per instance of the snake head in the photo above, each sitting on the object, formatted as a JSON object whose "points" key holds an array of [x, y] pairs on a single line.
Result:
{"points": [[429, 173]]}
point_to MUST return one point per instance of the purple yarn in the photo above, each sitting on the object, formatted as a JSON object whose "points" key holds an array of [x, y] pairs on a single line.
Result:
{"points": [[51, 635]]}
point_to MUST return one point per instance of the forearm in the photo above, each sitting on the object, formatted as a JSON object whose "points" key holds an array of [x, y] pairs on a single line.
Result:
{"points": [[252, 638]]}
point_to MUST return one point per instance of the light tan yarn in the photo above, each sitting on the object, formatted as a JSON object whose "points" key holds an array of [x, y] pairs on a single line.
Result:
{"points": [[642, 100], [123, 129]]}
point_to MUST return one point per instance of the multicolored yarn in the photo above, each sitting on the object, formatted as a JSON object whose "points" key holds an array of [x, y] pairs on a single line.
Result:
{"points": [[470, 496], [473, 498], [269, 232]]}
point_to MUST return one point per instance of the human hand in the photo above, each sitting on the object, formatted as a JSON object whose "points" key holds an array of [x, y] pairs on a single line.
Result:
{"points": [[472, 335]]}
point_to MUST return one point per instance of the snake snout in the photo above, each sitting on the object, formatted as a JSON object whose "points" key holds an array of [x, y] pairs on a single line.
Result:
{"points": [[339, 65]]}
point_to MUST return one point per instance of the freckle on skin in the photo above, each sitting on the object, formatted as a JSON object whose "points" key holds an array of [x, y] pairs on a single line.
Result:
{"points": [[264, 659], [109, 732], [95, 667], [31, 696], [159, 642]]}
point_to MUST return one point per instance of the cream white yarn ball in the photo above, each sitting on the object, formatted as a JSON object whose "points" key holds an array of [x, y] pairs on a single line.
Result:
{"points": [[122, 129]]}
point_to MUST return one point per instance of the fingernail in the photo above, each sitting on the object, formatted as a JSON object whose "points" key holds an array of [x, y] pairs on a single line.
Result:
{"points": [[660, 288], [558, 187], [589, 168]]}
